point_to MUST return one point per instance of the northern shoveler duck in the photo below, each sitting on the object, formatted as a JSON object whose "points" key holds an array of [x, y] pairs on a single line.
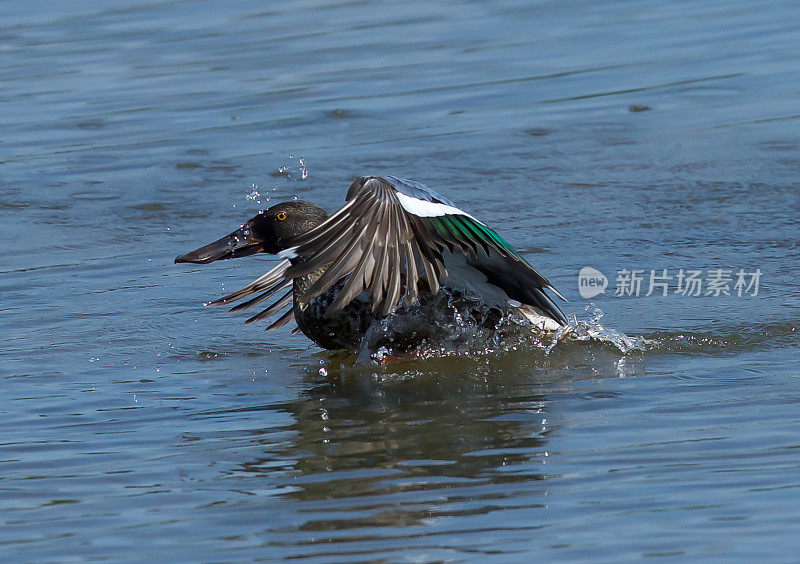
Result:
{"points": [[395, 248]]}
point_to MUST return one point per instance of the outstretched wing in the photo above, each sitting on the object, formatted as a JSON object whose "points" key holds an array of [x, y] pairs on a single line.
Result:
{"points": [[391, 239], [265, 286]]}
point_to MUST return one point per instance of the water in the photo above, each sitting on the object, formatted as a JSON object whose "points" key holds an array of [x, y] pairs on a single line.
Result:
{"points": [[139, 425]]}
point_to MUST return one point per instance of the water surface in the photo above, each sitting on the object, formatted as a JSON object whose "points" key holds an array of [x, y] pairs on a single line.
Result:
{"points": [[650, 135]]}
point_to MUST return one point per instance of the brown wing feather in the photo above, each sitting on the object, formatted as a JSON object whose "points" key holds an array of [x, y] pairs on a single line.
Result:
{"points": [[269, 280], [283, 320], [261, 297], [284, 300]]}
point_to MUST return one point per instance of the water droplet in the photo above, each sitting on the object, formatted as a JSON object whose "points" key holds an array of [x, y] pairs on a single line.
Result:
{"points": [[323, 371], [254, 194]]}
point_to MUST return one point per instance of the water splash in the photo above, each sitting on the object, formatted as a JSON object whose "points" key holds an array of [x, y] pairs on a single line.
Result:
{"points": [[303, 169], [590, 329], [296, 170], [254, 194], [451, 324]]}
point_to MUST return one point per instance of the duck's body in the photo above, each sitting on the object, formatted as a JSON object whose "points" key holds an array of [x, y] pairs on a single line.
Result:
{"points": [[395, 247], [342, 331]]}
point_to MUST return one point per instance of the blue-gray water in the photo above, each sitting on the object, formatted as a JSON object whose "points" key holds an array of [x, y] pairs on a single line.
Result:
{"points": [[137, 424]]}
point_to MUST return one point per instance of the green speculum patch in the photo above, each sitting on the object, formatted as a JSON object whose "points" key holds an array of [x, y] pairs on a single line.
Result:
{"points": [[466, 229]]}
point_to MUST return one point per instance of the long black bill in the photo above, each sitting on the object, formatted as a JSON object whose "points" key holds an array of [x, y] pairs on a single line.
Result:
{"points": [[240, 243]]}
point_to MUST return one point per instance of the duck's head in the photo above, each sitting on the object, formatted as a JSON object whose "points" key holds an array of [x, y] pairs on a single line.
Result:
{"points": [[265, 233]]}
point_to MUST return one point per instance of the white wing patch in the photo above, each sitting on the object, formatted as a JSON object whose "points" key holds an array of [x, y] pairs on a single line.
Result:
{"points": [[540, 321], [289, 253], [423, 208]]}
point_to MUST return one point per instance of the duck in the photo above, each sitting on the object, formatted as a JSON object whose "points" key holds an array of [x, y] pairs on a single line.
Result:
{"points": [[396, 250]]}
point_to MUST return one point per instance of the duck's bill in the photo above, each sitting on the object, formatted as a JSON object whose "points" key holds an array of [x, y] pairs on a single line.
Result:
{"points": [[240, 243]]}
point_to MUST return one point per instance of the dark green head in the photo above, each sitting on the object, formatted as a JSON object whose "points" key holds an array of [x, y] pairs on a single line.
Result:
{"points": [[265, 233]]}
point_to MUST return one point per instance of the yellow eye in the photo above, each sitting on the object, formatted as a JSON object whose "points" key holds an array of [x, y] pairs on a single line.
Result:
{"points": [[281, 216]]}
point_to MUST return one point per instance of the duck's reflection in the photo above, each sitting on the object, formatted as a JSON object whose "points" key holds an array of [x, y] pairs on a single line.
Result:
{"points": [[417, 456], [357, 436]]}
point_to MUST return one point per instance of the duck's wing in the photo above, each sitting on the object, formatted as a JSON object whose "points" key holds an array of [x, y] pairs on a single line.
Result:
{"points": [[392, 234], [265, 286]]}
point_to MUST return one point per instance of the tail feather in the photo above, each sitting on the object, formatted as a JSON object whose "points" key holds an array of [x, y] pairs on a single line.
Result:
{"points": [[522, 283]]}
